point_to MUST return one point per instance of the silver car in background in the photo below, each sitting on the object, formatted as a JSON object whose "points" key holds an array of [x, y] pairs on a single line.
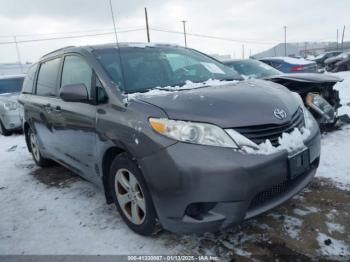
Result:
{"points": [[11, 112]]}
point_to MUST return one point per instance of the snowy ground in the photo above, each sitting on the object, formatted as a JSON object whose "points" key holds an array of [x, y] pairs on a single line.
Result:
{"points": [[52, 211]]}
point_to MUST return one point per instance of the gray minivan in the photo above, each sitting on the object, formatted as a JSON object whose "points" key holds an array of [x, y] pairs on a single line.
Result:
{"points": [[171, 135]]}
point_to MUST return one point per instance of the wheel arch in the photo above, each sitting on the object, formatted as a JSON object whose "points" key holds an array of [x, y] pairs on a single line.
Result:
{"points": [[107, 160], [26, 128]]}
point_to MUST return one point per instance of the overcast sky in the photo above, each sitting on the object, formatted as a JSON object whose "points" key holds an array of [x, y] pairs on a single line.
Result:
{"points": [[256, 23]]}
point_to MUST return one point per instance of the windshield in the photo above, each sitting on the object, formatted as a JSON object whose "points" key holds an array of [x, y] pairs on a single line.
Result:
{"points": [[253, 68], [11, 85], [151, 67]]}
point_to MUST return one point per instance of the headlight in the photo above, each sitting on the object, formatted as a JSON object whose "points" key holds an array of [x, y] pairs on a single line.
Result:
{"points": [[308, 118], [10, 106], [321, 106], [196, 133]]}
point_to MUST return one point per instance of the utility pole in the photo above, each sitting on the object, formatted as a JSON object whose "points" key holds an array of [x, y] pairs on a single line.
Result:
{"points": [[185, 36], [285, 40], [337, 39], [342, 39], [243, 51], [18, 54], [147, 26]]}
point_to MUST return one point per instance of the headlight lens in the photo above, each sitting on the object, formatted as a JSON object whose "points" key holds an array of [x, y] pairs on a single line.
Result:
{"points": [[10, 106], [196, 133], [308, 118], [320, 105]]}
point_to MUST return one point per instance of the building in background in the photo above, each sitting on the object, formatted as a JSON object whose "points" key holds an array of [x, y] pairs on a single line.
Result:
{"points": [[302, 49]]}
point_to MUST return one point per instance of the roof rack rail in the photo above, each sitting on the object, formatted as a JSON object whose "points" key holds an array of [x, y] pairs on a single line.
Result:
{"points": [[57, 50]]}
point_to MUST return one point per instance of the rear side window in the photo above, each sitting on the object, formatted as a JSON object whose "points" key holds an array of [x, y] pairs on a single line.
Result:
{"points": [[76, 71], [11, 85], [47, 78], [29, 80]]}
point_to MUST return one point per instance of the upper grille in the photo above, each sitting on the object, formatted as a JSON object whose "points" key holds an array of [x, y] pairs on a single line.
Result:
{"points": [[258, 134]]}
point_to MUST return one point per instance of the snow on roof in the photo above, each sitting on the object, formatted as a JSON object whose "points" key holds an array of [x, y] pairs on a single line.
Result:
{"points": [[290, 60]]}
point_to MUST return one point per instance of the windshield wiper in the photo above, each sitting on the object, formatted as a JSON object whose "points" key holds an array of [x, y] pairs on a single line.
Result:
{"points": [[231, 79]]}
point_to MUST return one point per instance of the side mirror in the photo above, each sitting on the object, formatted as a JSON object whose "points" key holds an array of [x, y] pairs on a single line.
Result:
{"points": [[75, 93]]}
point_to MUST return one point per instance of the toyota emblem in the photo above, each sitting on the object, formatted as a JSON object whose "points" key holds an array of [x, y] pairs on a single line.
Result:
{"points": [[280, 113]]}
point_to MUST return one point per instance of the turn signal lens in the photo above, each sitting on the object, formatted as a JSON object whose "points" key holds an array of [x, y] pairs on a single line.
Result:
{"points": [[157, 125]]}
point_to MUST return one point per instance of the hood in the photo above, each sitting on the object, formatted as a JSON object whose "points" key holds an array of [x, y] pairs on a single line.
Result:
{"points": [[245, 103], [308, 77], [9, 97], [332, 59]]}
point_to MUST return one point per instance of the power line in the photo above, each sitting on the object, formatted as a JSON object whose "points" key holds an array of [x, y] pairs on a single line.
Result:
{"points": [[71, 32], [213, 37], [68, 37]]}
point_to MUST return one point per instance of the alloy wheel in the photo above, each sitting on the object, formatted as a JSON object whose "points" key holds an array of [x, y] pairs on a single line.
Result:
{"points": [[34, 146], [130, 196]]}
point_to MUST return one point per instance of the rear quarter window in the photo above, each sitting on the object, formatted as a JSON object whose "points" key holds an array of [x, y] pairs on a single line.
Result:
{"points": [[29, 80], [47, 77]]}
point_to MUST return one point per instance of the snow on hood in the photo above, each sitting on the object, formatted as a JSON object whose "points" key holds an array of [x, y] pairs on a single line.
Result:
{"points": [[158, 91]]}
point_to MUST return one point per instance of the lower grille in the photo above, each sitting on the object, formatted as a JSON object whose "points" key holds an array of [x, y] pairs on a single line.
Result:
{"points": [[273, 192], [260, 133]]}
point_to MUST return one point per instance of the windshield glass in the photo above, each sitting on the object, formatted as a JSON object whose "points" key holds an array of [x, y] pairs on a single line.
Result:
{"points": [[253, 68], [11, 85], [151, 67]]}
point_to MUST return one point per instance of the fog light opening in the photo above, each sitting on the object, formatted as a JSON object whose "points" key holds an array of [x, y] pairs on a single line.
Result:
{"points": [[199, 210]]}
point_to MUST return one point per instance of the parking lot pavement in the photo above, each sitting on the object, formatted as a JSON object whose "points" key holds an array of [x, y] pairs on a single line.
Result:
{"points": [[52, 211]]}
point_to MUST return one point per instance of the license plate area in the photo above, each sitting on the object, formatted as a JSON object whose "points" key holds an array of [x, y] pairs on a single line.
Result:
{"points": [[298, 164]]}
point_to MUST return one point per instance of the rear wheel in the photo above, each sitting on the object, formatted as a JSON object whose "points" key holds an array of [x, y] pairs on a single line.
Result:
{"points": [[35, 149], [131, 196], [4, 131]]}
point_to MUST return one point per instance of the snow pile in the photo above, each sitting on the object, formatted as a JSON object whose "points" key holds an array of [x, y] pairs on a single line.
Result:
{"points": [[332, 247], [189, 85], [292, 142], [305, 211], [335, 146], [334, 227], [292, 226]]}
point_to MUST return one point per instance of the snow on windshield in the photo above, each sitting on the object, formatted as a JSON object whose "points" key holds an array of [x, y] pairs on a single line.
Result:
{"points": [[158, 91]]}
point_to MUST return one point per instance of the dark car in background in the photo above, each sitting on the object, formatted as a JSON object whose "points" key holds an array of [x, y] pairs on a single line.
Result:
{"points": [[338, 63], [170, 134], [321, 58], [316, 90], [10, 109], [290, 64]]}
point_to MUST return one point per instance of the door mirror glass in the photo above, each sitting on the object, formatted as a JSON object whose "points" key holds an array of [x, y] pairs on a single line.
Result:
{"points": [[75, 93]]}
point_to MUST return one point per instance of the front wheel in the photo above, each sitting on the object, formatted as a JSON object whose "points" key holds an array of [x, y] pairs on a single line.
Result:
{"points": [[4, 131], [35, 149], [131, 196]]}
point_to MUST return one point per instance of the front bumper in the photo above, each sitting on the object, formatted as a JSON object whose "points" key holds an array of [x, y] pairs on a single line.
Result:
{"points": [[12, 120], [226, 181]]}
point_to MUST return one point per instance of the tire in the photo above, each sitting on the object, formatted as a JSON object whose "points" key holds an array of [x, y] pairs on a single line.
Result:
{"points": [[4, 131], [35, 150], [131, 196]]}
